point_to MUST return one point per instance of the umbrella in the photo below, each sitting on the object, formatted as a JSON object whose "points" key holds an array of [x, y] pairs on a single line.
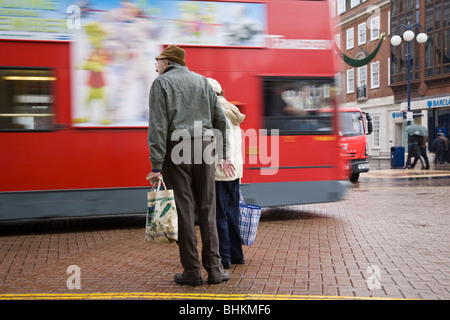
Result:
{"points": [[416, 129]]}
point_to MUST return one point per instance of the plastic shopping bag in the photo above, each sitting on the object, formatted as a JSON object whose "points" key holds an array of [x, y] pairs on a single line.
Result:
{"points": [[162, 218]]}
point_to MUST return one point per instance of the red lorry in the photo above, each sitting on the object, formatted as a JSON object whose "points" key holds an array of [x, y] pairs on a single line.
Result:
{"points": [[353, 140]]}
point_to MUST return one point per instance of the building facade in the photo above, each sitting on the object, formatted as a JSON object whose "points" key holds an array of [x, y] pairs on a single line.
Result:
{"points": [[380, 86]]}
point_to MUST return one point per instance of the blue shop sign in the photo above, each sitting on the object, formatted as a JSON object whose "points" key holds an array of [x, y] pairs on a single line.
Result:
{"points": [[397, 115], [441, 102]]}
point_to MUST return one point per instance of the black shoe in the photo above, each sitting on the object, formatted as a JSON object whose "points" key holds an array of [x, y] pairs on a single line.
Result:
{"points": [[225, 276], [226, 265], [238, 261], [181, 279]]}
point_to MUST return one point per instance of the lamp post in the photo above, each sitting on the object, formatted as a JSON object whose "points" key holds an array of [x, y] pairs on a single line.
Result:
{"points": [[408, 36]]}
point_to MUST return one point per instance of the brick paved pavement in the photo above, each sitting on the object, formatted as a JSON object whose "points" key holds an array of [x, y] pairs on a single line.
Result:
{"points": [[397, 227]]}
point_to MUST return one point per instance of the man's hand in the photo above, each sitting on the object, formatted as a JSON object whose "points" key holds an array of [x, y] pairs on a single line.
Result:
{"points": [[154, 177], [227, 167]]}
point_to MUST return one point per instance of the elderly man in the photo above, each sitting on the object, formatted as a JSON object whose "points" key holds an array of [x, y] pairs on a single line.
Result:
{"points": [[183, 104]]}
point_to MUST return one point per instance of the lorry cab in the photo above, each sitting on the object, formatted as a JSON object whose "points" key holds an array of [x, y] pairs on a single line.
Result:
{"points": [[353, 132]]}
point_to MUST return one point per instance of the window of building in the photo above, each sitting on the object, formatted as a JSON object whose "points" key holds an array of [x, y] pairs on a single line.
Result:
{"points": [[338, 82], [375, 75], [389, 71], [361, 34], [376, 131], [402, 12], [337, 40], [361, 92], [354, 3], [26, 99], [297, 105], [350, 38], [344, 5], [350, 80], [375, 28], [389, 23], [341, 6], [437, 27]]}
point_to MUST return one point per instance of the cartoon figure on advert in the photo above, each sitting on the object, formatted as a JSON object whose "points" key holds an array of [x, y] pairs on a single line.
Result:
{"points": [[132, 36], [95, 64], [197, 22]]}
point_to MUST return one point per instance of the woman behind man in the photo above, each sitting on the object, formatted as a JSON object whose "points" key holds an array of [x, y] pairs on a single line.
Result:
{"points": [[227, 188]]}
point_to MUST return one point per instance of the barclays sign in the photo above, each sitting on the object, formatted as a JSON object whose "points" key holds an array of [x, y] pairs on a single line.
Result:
{"points": [[436, 103], [397, 115]]}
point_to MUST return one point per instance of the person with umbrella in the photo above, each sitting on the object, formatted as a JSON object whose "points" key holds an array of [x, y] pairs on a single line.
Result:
{"points": [[414, 152], [418, 134]]}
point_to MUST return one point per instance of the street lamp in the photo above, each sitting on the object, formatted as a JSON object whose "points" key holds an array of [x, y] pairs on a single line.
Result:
{"points": [[408, 36]]}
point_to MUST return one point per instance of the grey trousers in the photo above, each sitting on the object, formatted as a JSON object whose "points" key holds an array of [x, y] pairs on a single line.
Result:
{"points": [[194, 189]]}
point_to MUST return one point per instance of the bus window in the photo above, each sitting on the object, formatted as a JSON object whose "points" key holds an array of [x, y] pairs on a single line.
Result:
{"points": [[26, 99], [294, 106]]}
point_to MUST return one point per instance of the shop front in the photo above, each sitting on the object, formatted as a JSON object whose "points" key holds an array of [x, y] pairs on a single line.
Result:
{"points": [[438, 119]]}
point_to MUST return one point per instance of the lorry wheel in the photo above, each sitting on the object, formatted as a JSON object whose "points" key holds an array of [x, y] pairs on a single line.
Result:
{"points": [[354, 177]]}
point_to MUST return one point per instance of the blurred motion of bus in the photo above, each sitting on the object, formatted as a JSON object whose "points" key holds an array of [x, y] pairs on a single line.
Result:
{"points": [[74, 83]]}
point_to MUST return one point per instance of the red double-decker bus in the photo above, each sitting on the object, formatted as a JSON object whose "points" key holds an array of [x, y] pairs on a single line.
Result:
{"points": [[73, 118]]}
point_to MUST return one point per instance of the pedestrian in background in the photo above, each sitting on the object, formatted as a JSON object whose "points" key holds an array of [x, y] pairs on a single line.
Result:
{"points": [[227, 187], [180, 99], [414, 152], [440, 145]]}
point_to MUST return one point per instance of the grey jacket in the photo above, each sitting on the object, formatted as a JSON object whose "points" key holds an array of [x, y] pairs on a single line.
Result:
{"points": [[178, 99]]}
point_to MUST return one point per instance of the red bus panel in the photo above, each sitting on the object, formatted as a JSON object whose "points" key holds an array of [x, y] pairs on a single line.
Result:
{"points": [[69, 170]]}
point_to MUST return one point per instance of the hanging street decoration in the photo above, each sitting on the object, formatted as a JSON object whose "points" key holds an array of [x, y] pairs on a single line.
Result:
{"points": [[360, 62]]}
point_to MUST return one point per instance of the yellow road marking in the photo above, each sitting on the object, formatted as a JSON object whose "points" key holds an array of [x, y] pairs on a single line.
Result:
{"points": [[193, 296]]}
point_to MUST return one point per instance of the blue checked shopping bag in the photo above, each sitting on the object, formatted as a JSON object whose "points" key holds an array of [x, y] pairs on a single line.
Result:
{"points": [[248, 221]]}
